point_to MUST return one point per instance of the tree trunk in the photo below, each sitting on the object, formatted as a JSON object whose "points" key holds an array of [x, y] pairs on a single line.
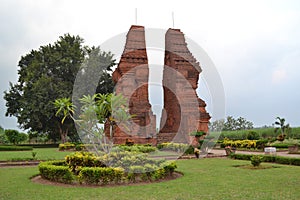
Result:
{"points": [[63, 135]]}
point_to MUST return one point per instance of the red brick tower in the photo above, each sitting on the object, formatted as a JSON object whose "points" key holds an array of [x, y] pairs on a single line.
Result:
{"points": [[131, 78], [183, 111]]}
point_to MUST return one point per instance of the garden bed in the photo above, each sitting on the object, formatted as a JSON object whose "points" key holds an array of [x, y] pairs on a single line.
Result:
{"points": [[109, 169], [38, 179]]}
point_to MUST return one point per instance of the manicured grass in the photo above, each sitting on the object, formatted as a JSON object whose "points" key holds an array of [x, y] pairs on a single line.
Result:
{"points": [[203, 179], [42, 154]]}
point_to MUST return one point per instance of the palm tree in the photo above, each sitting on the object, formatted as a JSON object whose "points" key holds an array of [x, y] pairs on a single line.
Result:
{"points": [[284, 128], [65, 109]]}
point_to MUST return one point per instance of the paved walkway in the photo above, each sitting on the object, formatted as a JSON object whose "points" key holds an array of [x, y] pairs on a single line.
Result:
{"points": [[221, 152]]}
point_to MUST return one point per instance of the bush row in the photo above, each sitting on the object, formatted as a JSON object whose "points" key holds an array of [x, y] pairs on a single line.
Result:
{"points": [[56, 171], [15, 148], [109, 175], [278, 145], [115, 167], [40, 145], [269, 158], [138, 148], [178, 147], [71, 146], [239, 143]]}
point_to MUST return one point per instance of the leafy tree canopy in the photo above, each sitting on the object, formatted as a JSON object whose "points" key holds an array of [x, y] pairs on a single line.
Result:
{"points": [[15, 137], [49, 73], [231, 124]]}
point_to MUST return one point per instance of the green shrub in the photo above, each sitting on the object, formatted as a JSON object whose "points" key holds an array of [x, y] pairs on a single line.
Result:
{"points": [[15, 148], [56, 171], [89, 169], [260, 144], [138, 148], [268, 158], [295, 161], [177, 147], [241, 156], [280, 145], [101, 175], [15, 136], [34, 155], [66, 146], [256, 160], [197, 133], [189, 150], [158, 174], [169, 167], [3, 137], [82, 159], [40, 145], [252, 135], [283, 160], [239, 143]]}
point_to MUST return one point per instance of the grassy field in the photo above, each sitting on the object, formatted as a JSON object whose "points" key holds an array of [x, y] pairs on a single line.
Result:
{"points": [[42, 154], [203, 179]]}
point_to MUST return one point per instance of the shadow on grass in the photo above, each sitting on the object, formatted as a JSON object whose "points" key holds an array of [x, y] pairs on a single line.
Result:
{"points": [[251, 167]]}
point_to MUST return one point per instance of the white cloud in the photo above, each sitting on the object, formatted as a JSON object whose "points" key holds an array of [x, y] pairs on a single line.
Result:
{"points": [[278, 76]]}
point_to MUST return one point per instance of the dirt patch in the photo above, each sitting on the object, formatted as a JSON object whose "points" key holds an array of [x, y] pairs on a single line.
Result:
{"points": [[19, 163], [255, 168], [38, 179]]}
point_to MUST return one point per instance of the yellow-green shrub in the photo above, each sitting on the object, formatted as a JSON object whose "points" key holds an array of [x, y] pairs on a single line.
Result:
{"points": [[240, 143]]}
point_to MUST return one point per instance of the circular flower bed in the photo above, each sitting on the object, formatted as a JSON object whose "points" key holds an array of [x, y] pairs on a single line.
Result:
{"points": [[113, 168]]}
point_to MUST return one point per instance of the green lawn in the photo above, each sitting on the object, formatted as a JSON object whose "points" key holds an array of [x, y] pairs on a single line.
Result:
{"points": [[42, 154], [203, 179]]}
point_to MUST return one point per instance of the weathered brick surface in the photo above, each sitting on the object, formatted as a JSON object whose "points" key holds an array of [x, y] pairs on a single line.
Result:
{"points": [[131, 78], [183, 111]]}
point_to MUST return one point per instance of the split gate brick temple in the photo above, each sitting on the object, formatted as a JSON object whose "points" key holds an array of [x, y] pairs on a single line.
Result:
{"points": [[183, 111]]}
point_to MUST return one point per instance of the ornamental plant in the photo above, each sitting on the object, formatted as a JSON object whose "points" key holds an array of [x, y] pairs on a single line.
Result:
{"points": [[113, 168], [256, 160], [96, 110]]}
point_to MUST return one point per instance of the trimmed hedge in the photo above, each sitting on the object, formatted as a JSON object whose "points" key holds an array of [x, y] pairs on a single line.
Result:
{"points": [[268, 158], [138, 148], [125, 167], [178, 147], [280, 145], [239, 143], [72, 146], [56, 171], [15, 148], [40, 145], [100, 175]]}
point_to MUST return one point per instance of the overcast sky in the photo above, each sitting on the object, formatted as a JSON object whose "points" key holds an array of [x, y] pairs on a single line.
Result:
{"points": [[255, 45]]}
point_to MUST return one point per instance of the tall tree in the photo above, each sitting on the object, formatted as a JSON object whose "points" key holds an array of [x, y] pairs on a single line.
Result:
{"points": [[94, 76], [216, 125], [240, 123], [49, 73]]}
